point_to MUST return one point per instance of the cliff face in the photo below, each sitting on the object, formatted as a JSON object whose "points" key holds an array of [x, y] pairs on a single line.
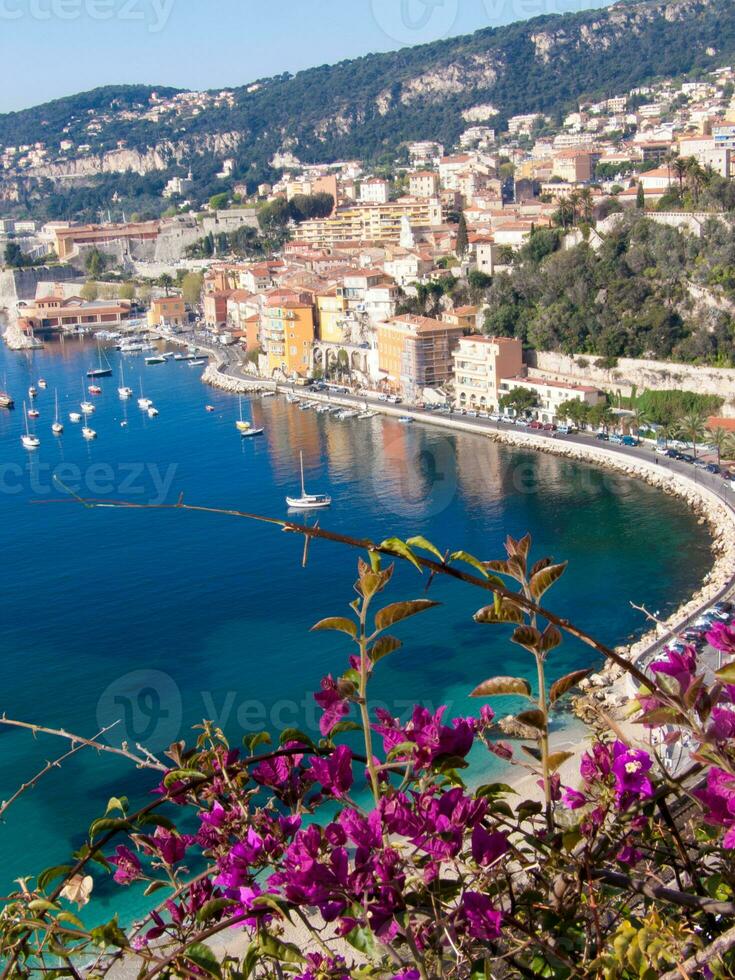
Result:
{"points": [[365, 106]]}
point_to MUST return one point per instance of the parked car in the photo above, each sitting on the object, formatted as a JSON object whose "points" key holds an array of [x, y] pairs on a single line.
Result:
{"points": [[535, 425], [603, 437], [618, 440], [687, 458], [630, 441], [565, 430], [713, 468], [549, 427]]}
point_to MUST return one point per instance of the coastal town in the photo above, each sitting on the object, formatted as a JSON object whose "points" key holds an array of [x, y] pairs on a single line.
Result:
{"points": [[368, 482], [387, 291]]}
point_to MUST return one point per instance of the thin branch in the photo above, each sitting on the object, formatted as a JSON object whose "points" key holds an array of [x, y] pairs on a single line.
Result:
{"points": [[365, 544], [54, 764], [723, 944], [149, 762], [659, 892]]}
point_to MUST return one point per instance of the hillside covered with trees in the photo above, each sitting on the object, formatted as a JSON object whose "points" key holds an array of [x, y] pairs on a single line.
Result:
{"points": [[636, 296]]}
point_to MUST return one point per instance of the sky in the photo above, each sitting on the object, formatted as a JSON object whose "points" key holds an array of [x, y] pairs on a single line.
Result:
{"points": [[52, 48]]}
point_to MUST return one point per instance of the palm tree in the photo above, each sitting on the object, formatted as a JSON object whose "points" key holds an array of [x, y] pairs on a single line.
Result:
{"points": [[717, 437], [587, 204], [695, 177], [679, 166], [692, 428], [669, 431], [638, 421]]}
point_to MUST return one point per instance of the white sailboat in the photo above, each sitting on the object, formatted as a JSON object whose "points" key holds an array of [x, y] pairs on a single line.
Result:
{"points": [[57, 428], [88, 433], [29, 441], [241, 425], [75, 417], [308, 501], [123, 391], [87, 407], [143, 402]]}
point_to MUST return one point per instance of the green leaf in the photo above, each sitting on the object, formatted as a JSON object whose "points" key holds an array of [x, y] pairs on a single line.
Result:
{"points": [[401, 549], [502, 685], [383, 646], [284, 952], [203, 957], [362, 939], [345, 726], [557, 760], [110, 934], [106, 824], [296, 735], [543, 580], [564, 684], [213, 907], [570, 839], [251, 742], [183, 776], [529, 808], [470, 560], [425, 545], [338, 623], [399, 611], [495, 789], [503, 611], [47, 876], [117, 803], [42, 905], [534, 719], [156, 886], [726, 673]]}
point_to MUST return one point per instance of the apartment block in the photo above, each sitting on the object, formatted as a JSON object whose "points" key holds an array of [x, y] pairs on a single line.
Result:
{"points": [[416, 352], [480, 366]]}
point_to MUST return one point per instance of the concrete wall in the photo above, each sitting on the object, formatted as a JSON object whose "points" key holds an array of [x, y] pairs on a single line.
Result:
{"points": [[653, 375]]}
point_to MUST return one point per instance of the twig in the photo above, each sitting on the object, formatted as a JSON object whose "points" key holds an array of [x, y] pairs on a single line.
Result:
{"points": [[722, 944], [659, 892], [149, 762], [55, 764]]}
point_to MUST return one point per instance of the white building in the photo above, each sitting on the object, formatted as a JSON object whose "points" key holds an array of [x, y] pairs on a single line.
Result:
{"points": [[375, 191]]}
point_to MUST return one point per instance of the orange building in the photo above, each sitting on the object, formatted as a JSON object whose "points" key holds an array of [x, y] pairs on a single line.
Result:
{"points": [[287, 335], [68, 239], [415, 352], [167, 311]]}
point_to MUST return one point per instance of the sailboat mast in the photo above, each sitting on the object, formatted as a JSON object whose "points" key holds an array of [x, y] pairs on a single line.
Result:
{"points": [[303, 488]]}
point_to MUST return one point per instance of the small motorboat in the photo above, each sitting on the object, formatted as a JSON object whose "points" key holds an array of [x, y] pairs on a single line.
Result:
{"points": [[42, 383], [94, 390], [367, 415], [405, 420], [5, 400], [32, 392], [209, 408], [89, 433], [197, 363], [152, 411], [252, 432], [123, 425], [156, 359], [75, 417], [268, 394], [34, 413]]}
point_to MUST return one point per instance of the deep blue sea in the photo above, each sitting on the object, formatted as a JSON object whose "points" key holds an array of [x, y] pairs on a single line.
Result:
{"points": [[160, 618]]}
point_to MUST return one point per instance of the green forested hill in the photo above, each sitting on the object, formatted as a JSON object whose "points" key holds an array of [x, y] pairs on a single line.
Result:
{"points": [[371, 104]]}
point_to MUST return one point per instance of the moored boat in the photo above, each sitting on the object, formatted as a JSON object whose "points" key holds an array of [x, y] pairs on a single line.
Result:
{"points": [[5, 400], [308, 501], [28, 439]]}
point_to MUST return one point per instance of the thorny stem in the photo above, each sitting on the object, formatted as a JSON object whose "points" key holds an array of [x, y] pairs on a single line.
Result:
{"points": [[364, 712]]}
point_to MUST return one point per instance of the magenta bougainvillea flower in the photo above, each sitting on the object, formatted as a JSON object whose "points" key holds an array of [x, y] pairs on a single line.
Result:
{"points": [[333, 703], [334, 772], [127, 864]]}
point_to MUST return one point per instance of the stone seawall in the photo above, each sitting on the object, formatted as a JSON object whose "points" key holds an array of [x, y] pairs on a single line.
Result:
{"points": [[641, 374]]}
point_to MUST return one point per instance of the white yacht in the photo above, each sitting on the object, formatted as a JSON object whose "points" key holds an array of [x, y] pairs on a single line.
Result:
{"points": [[308, 501], [28, 440]]}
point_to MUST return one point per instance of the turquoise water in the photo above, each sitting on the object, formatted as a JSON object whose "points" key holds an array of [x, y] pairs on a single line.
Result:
{"points": [[161, 618]]}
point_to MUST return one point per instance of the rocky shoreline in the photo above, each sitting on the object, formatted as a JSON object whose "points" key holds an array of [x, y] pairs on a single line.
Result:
{"points": [[607, 689]]}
